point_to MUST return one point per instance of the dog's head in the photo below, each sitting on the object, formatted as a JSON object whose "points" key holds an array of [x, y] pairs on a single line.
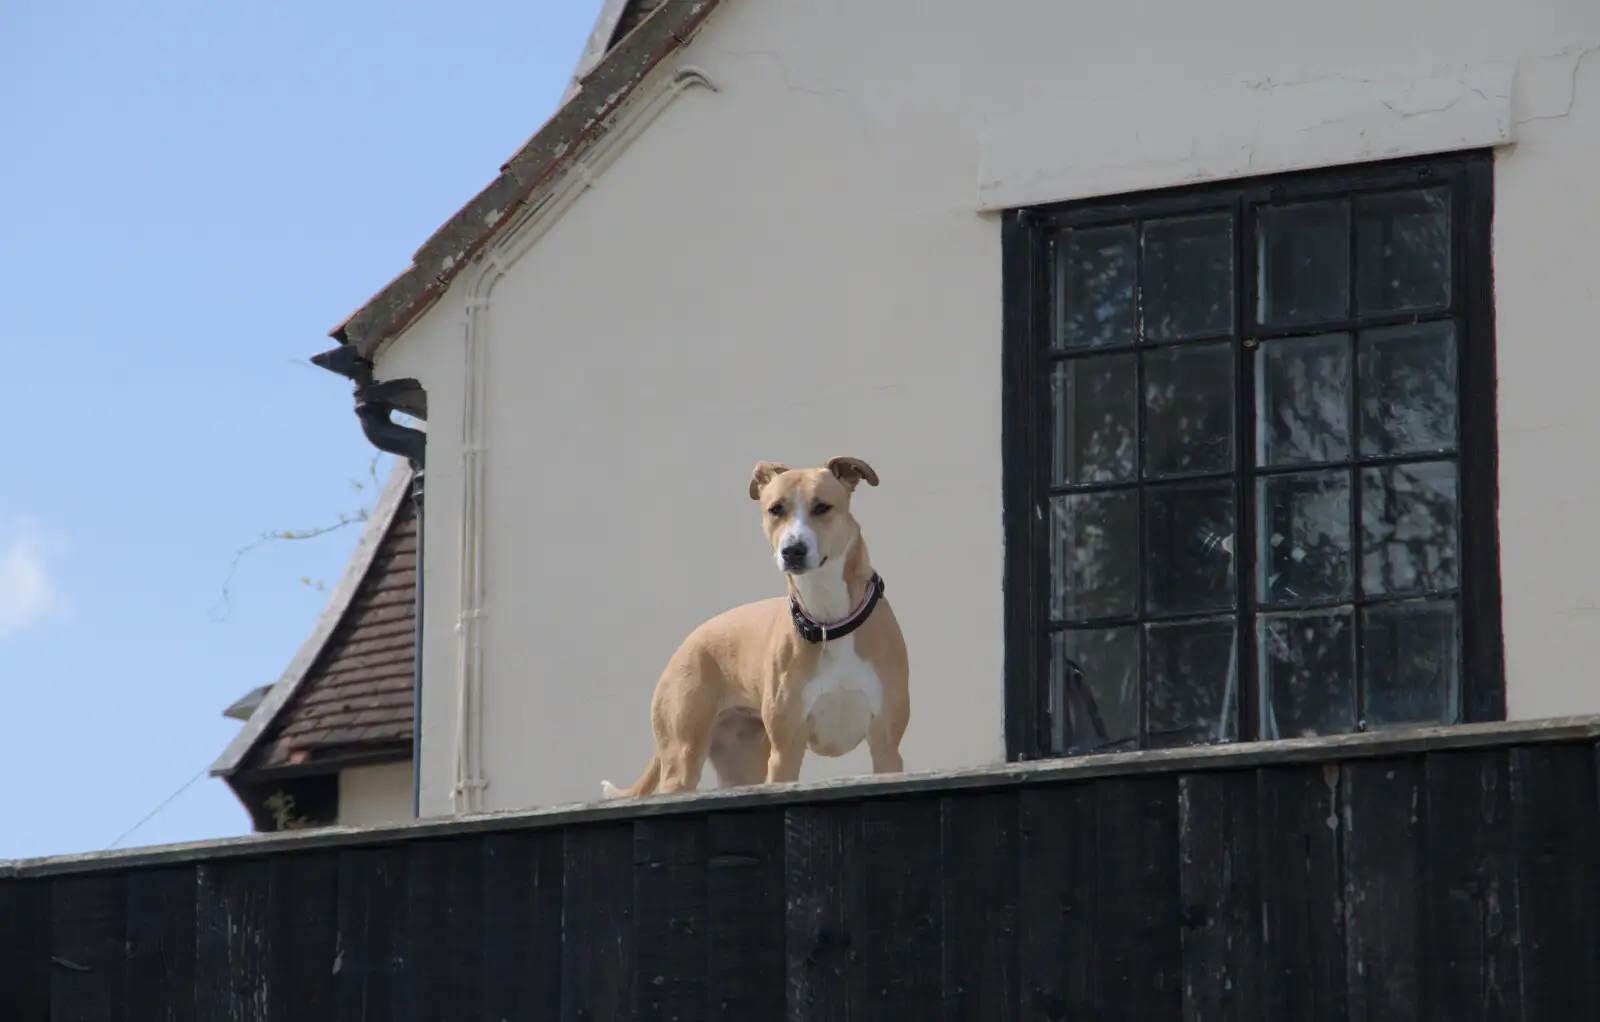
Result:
{"points": [[805, 512]]}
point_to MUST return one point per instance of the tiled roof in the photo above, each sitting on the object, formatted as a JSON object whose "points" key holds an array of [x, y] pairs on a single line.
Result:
{"points": [[356, 700]]}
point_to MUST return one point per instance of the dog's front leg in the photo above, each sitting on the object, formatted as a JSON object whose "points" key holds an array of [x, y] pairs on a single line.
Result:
{"points": [[783, 765], [889, 728], [885, 752], [787, 734]]}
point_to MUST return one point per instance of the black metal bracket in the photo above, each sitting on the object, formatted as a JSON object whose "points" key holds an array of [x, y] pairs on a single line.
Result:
{"points": [[377, 401]]}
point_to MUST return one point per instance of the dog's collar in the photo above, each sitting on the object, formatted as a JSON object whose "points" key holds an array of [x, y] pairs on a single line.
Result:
{"points": [[812, 630]]}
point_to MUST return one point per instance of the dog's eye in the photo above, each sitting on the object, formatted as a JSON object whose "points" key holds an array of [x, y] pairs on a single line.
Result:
{"points": [[775, 510], [822, 509]]}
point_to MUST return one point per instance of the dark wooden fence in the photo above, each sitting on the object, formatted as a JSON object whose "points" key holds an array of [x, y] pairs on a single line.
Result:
{"points": [[1445, 875]]}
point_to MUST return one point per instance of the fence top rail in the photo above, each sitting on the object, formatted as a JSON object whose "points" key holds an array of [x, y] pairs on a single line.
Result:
{"points": [[1331, 749]]}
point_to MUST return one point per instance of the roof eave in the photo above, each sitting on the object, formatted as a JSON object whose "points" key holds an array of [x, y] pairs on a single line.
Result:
{"points": [[332, 761], [575, 126]]}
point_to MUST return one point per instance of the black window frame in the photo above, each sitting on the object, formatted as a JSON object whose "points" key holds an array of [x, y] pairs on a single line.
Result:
{"points": [[1027, 434]]}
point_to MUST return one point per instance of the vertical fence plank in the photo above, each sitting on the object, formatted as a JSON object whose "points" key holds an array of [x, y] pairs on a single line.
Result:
{"points": [[1452, 885], [1383, 889], [160, 970], [1058, 912], [821, 852], [87, 927], [25, 949], [1140, 958], [745, 916], [1471, 968], [444, 918], [305, 927], [900, 946], [232, 940], [1302, 896], [1219, 876], [597, 948], [522, 926], [1556, 832], [669, 897], [369, 965], [978, 894]]}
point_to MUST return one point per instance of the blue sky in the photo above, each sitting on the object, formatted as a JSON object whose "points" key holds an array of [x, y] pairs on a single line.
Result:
{"points": [[192, 194]]}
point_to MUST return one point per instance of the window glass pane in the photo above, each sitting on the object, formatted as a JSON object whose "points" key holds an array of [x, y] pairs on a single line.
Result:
{"points": [[1095, 406], [1410, 663], [1192, 669], [1189, 533], [1094, 689], [1303, 258], [1094, 287], [1303, 539], [1094, 555], [1188, 277], [1188, 397], [1403, 251], [1308, 673], [1408, 389], [1409, 528], [1303, 400]]}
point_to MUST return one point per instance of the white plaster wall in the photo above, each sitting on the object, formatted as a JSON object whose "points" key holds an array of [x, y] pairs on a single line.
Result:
{"points": [[431, 352], [795, 267], [371, 795], [1547, 221]]}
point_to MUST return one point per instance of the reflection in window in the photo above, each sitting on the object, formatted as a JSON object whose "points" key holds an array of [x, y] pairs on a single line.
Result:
{"points": [[1188, 410], [1308, 673], [1303, 263], [1408, 389], [1094, 279], [1403, 251], [1410, 657], [1303, 390], [1304, 537], [1188, 277], [1408, 528], [1296, 415], [1095, 549], [1193, 672], [1095, 405], [1094, 688]]}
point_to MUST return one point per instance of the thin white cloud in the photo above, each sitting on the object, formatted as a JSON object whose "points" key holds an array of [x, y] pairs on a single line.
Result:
{"points": [[29, 595]]}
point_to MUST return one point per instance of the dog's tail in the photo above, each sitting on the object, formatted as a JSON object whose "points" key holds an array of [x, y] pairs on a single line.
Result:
{"points": [[643, 786]]}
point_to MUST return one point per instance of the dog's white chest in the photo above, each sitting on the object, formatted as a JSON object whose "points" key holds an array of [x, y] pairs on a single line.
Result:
{"points": [[841, 699]]}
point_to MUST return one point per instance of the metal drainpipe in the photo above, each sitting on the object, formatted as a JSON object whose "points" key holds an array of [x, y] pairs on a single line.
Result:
{"points": [[417, 480], [374, 406]]}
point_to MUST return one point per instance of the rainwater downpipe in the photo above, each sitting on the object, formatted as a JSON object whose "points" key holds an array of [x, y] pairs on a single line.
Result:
{"points": [[375, 406], [467, 793]]}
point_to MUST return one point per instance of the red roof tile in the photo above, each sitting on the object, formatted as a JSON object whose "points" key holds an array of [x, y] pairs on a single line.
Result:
{"points": [[356, 700]]}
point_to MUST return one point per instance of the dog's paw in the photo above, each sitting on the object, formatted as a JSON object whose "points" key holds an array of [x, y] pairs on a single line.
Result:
{"points": [[609, 790]]}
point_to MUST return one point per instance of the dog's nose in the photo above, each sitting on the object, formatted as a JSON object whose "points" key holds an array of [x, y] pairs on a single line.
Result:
{"points": [[794, 553]]}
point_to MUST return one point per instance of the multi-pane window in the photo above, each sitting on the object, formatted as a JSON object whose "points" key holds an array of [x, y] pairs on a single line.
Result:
{"points": [[1250, 460]]}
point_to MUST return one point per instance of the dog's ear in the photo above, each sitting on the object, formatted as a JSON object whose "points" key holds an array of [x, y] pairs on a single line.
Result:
{"points": [[762, 474], [851, 471]]}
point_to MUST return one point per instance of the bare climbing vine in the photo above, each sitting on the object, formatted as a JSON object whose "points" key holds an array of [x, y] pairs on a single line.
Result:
{"points": [[366, 488]]}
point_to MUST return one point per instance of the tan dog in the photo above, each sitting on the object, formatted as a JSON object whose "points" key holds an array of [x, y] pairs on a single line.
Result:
{"points": [[825, 668]]}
